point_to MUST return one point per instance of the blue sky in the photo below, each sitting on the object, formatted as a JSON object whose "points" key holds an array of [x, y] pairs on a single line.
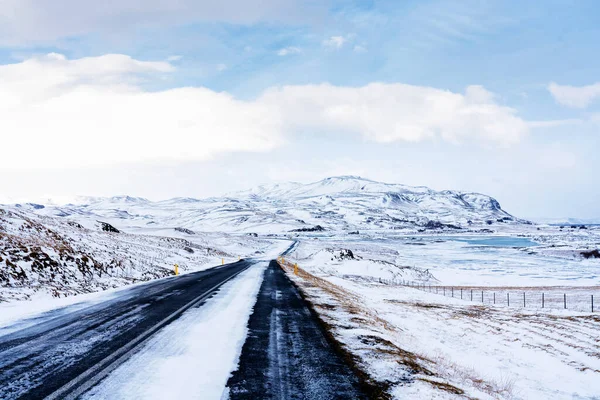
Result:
{"points": [[533, 148]]}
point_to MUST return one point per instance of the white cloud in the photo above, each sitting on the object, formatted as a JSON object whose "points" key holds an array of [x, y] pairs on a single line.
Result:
{"points": [[575, 96], [56, 112], [360, 49], [35, 21], [286, 51], [174, 58], [335, 42], [221, 67], [398, 112]]}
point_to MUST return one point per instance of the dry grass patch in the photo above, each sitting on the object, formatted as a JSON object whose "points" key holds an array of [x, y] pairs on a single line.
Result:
{"points": [[363, 348], [446, 387]]}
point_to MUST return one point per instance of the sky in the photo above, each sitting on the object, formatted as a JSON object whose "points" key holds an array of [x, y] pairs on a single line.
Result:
{"points": [[196, 98]]}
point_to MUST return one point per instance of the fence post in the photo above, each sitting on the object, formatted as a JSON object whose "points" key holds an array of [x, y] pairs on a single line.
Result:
{"points": [[508, 299], [524, 306], [592, 303], [565, 300], [444, 290], [542, 300], [436, 289], [482, 296], [471, 294], [494, 297], [452, 291]]}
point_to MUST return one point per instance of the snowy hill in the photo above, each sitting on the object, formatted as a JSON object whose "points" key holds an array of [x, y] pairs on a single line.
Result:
{"points": [[41, 255], [339, 204]]}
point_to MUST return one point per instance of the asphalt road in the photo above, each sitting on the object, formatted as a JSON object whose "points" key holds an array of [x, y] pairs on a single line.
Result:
{"points": [[69, 351], [286, 354]]}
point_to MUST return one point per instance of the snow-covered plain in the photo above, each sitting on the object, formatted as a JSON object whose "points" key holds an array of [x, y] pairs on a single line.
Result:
{"points": [[424, 345], [482, 260]]}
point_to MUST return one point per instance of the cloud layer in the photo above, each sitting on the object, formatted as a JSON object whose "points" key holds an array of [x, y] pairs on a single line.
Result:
{"points": [[31, 21], [61, 113], [56, 112], [386, 112], [575, 96]]}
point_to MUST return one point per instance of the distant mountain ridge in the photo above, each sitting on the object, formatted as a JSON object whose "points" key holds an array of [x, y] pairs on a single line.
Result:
{"points": [[344, 203]]}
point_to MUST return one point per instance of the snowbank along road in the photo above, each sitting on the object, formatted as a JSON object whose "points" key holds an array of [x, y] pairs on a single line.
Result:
{"points": [[68, 352]]}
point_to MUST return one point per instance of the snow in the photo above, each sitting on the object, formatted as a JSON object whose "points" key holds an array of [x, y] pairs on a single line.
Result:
{"points": [[339, 203], [42, 255], [486, 351], [453, 260], [546, 355], [194, 355]]}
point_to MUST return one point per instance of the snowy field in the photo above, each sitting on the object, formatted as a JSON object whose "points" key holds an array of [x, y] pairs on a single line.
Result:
{"points": [[427, 345], [459, 260], [423, 345]]}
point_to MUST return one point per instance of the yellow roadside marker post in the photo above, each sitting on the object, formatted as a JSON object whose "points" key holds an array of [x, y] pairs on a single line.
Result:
{"points": [[222, 261], [296, 269], [176, 269]]}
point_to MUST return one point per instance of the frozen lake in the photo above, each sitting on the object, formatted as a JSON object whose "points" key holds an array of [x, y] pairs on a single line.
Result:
{"points": [[481, 260], [494, 241]]}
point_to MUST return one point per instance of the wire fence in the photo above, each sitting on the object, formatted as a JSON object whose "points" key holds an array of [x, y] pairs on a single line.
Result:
{"points": [[577, 299], [572, 298]]}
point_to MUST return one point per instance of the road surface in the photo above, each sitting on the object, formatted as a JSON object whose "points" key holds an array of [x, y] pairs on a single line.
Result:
{"points": [[286, 354], [61, 357]]}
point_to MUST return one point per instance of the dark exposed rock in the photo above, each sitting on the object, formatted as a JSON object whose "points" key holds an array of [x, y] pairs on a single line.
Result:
{"points": [[439, 225], [185, 230], [106, 227], [317, 228], [591, 254], [75, 224]]}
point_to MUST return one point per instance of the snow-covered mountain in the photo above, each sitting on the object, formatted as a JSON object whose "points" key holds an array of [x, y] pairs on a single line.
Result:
{"points": [[338, 204]]}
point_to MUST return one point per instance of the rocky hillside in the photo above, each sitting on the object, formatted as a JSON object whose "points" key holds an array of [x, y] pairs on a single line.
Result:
{"points": [[62, 257]]}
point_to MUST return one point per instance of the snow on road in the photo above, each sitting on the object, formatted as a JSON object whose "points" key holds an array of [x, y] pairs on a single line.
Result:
{"points": [[194, 356]]}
